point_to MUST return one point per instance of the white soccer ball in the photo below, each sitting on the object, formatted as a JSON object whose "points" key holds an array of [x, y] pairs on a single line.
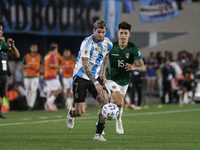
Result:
{"points": [[110, 111]]}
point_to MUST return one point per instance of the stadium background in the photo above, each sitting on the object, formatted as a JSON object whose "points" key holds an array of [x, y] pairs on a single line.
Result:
{"points": [[175, 34]]}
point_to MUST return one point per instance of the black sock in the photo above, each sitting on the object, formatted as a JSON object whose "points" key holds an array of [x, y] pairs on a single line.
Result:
{"points": [[70, 113], [100, 127]]}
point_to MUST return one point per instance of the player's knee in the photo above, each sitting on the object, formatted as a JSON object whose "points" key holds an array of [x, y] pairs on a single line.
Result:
{"points": [[120, 104], [59, 91]]}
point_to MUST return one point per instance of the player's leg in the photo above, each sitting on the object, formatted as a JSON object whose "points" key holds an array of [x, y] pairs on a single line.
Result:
{"points": [[139, 91], [193, 93], [27, 85], [2, 94], [117, 98], [55, 89], [102, 100], [79, 93], [33, 89], [68, 92]]}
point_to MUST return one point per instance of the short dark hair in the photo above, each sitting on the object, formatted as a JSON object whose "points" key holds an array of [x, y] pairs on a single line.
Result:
{"points": [[124, 25], [100, 24], [1, 23], [52, 48], [66, 49]]}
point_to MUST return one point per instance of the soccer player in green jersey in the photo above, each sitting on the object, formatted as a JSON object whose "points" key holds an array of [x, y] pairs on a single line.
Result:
{"points": [[8, 48], [124, 57]]}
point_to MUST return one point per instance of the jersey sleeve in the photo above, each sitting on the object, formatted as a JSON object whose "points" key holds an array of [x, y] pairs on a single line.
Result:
{"points": [[136, 53], [109, 44], [24, 60], [4, 47], [85, 48], [52, 59]]}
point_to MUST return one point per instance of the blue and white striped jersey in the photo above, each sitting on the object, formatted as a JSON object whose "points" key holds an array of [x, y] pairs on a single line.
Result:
{"points": [[95, 52]]}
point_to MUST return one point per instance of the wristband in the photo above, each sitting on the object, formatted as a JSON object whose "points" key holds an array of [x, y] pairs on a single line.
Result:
{"points": [[96, 82]]}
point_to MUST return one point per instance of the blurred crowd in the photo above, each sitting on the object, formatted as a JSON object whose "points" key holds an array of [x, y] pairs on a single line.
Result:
{"points": [[172, 80]]}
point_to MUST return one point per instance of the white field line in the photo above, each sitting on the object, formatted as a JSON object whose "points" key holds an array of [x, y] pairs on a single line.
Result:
{"points": [[82, 118], [43, 117]]}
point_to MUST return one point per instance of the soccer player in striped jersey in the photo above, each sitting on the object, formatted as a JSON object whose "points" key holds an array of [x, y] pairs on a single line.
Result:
{"points": [[86, 75], [32, 64], [124, 57], [69, 60]]}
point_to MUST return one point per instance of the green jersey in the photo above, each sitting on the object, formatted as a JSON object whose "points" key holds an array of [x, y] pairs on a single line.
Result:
{"points": [[3, 46], [118, 58]]}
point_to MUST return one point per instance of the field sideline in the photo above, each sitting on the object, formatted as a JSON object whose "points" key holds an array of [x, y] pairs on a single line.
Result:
{"points": [[169, 128]]}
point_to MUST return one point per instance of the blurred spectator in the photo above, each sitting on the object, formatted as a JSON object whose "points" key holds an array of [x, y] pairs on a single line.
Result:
{"points": [[13, 95], [187, 83], [69, 60], [159, 76], [42, 92], [32, 64], [183, 59], [18, 73], [17, 102], [159, 57], [168, 73], [151, 74], [136, 90], [195, 63], [53, 84]]}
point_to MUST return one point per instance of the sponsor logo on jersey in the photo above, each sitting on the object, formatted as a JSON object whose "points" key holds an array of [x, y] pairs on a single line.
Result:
{"points": [[115, 54], [104, 50], [139, 54], [85, 52], [127, 55], [114, 87], [33, 59], [76, 95], [98, 48]]}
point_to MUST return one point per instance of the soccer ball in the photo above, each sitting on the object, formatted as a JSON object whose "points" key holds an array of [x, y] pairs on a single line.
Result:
{"points": [[110, 111]]}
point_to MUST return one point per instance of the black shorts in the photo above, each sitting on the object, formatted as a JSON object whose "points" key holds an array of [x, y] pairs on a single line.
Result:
{"points": [[189, 85], [80, 86]]}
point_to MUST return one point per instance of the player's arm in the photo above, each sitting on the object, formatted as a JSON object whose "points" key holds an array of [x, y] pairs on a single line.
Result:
{"points": [[12, 51], [103, 68], [85, 63], [54, 66], [137, 66], [24, 65]]}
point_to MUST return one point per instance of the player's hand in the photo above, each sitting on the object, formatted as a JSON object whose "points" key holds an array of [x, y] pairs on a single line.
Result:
{"points": [[99, 88], [129, 67], [10, 42], [103, 78], [62, 67]]}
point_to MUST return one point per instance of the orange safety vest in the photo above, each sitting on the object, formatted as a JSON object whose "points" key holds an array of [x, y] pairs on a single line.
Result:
{"points": [[191, 76], [34, 62], [48, 71], [12, 95], [70, 65]]}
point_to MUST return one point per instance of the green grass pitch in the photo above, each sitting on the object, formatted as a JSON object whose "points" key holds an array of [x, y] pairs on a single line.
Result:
{"points": [[168, 128]]}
